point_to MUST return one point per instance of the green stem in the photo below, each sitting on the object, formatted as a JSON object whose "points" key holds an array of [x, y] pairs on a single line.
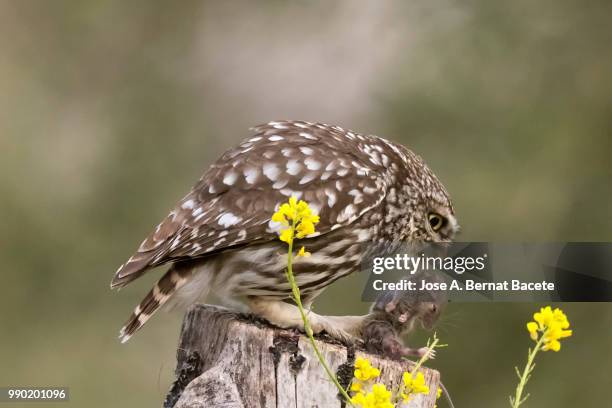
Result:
{"points": [[516, 403], [298, 301]]}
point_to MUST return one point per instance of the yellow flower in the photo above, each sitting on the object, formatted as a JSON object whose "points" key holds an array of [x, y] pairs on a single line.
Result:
{"points": [[379, 397], [532, 327], [552, 324], [297, 216], [359, 399], [414, 385], [418, 384], [303, 252], [382, 397], [364, 370], [286, 235], [356, 386], [553, 345], [548, 327]]}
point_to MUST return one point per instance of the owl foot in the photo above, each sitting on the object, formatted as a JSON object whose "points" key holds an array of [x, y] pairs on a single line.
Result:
{"points": [[287, 316], [324, 324]]}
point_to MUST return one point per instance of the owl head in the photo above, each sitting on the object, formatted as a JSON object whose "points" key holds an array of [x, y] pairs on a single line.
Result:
{"points": [[424, 202]]}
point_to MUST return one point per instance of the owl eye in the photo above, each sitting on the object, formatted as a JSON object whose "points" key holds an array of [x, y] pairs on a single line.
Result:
{"points": [[436, 221]]}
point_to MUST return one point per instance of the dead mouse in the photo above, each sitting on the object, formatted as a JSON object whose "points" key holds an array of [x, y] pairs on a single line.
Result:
{"points": [[397, 313]]}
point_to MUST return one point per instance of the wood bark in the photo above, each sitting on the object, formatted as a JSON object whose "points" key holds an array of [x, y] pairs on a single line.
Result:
{"points": [[232, 360]]}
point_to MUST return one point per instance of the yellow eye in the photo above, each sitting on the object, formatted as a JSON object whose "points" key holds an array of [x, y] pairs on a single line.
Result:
{"points": [[436, 221]]}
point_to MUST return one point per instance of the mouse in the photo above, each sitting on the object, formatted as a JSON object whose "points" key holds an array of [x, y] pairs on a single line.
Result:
{"points": [[396, 313]]}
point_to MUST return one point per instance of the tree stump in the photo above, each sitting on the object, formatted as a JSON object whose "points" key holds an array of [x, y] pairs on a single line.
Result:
{"points": [[231, 360]]}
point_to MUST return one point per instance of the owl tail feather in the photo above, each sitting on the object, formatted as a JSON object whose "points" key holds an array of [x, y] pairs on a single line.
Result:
{"points": [[163, 290]]}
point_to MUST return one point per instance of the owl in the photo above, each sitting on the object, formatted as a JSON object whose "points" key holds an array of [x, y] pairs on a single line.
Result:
{"points": [[219, 239]]}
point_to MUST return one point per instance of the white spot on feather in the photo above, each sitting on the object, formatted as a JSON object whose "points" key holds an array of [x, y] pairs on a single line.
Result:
{"points": [[188, 205], [358, 196], [346, 213], [273, 226], [308, 178], [293, 167], [316, 209], [331, 166], [230, 178], [312, 164], [331, 197], [250, 175], [288, 193], [228, 219], [307, 136], [280, 183], [271, 171], [306, 150]]}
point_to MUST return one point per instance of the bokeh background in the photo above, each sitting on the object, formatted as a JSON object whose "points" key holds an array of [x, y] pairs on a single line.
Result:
{"points": [[110, 111]]}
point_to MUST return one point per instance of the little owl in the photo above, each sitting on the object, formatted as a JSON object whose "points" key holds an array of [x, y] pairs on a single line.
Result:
{"points": [[220, 238]]}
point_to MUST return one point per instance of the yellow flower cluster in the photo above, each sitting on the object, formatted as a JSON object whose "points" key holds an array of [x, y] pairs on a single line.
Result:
{"points": [[364, 370], [298, 220], [379, 397], [552, 325], [376, 396], [369, 395], [414, 385]]}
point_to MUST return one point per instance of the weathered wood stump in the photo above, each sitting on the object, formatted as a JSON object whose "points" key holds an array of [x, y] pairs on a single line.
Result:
{"points": [[232, 360]]}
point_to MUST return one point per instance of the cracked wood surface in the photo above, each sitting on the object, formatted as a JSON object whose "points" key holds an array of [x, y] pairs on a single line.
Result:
{"points": [[231, 360]]}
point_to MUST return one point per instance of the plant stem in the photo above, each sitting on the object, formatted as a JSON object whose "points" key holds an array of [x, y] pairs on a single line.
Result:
{"points": [[516, 403], [298, 301]]}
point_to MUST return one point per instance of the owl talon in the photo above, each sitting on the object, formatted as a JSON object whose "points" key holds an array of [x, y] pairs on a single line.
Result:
{"points": [[333, 331]]}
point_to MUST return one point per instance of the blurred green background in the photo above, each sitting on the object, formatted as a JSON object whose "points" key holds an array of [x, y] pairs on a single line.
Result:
{"points": [[110, 111]]}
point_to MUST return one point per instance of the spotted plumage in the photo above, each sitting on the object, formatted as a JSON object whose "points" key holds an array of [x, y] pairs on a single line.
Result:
{"points": [[220, 238]]}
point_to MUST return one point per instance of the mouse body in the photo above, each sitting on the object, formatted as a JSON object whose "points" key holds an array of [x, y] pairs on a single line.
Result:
{"points": [[394, 314]]}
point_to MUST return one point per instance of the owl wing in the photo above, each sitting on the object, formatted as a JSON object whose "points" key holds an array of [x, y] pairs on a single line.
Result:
{"points": [[339, 173]]}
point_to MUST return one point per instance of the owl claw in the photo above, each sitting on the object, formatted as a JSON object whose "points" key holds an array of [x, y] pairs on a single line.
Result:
{"points": [[323, 324], [287, 316]]}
